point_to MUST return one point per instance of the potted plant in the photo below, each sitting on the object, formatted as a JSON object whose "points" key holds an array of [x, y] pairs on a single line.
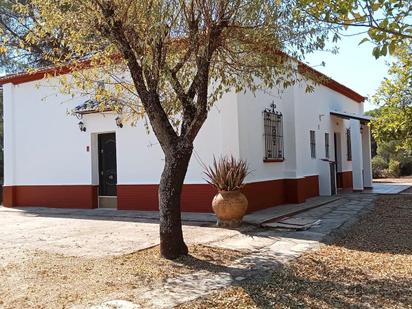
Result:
{"points": [[227, 175]]}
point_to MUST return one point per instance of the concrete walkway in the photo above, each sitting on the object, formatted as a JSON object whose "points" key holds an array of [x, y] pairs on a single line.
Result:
{"points": [[387, 188], [280, 211]]}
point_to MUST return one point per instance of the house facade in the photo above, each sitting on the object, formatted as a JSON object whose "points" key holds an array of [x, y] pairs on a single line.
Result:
{"points": [[297, 144]]}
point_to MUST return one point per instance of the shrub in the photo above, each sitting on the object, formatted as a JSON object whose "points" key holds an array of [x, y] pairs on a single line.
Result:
{"points": [[394, 168], [378, 167], [406, 165], [227, 174]]}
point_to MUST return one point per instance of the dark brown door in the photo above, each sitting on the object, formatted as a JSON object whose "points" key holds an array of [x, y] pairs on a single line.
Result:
{"points": [[107, 165]]}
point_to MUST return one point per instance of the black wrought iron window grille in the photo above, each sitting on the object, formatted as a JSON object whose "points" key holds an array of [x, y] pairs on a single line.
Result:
{"points": [[327, 154], [313, 144], [348, 145], [273, 134]]}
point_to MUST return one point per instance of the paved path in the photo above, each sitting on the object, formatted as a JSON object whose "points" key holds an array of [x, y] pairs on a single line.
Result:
{"points": [[269, 249], [387, 188]]}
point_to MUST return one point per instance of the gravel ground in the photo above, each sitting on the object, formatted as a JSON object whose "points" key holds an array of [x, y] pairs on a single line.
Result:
{"points": [[51, 280], [370, 267]]}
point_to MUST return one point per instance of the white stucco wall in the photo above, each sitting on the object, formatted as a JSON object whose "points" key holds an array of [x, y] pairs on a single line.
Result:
{"points": [[44, 146], [302, 112], [313, 113]]}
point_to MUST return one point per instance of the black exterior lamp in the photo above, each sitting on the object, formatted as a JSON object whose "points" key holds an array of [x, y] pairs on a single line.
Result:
{"points": [[82, 127], [119, 122]]}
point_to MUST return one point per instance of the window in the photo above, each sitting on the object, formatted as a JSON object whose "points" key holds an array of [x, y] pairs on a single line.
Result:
{"points": [[348, 145], [327, 145], [273, 132], [312, 144]]}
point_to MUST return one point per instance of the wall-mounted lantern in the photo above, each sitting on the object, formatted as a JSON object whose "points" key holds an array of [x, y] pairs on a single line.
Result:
{"points": [[82, 127], [119, 122]]}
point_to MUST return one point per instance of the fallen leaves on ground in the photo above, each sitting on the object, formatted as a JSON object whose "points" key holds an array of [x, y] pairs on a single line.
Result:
{"points": [[370, 267], [48, 280]]}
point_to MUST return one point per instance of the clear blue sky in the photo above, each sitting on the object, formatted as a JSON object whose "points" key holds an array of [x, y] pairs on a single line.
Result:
{"points": [[354, 66]]}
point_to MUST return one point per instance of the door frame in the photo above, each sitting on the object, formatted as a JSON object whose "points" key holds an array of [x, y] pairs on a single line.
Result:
{"points": [[95, 172], [107, 162]]}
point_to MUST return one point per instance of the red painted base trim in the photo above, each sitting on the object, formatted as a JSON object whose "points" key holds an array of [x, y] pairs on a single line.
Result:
{"points": [[195, 197], [344, 180], [198, 197], [67, 196]]}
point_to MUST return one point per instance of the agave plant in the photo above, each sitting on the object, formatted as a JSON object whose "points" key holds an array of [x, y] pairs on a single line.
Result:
{"points": [[227, 173]]}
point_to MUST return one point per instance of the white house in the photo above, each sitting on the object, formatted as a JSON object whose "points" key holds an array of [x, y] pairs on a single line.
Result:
{"points": [[291, 146]]}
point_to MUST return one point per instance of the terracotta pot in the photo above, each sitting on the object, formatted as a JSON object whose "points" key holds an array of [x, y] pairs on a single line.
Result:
{"points": [[229, 207]]}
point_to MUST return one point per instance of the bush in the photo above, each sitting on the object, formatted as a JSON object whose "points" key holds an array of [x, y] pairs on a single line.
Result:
{"points": [[394, 168], [406, 166], [379, 166]]}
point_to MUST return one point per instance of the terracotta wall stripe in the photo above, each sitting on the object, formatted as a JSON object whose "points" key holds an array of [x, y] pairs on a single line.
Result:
{"points": [[344, 180], [65, 196], [195, 197]]}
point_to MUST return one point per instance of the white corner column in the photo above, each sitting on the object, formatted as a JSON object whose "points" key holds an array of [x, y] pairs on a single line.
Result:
{"points": [[357, 159], [366, 152], [9, 138]]}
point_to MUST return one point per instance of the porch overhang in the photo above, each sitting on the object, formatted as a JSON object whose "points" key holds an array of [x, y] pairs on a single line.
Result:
{"points": [[362, 118]]}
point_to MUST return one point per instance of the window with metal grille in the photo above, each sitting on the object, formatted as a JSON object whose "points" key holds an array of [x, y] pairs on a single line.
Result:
{"points": [[312, 144], [348, 145], [273, 133], [327, 145]]}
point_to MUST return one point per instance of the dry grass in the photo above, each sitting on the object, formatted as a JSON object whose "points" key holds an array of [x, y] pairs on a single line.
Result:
{"points": [[371, 267], [46, 280]]}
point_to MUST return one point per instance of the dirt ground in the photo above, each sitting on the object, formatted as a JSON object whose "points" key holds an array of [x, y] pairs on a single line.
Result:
{"points": [[49, 260], [403, 179], [370, 267], [47, 280]]}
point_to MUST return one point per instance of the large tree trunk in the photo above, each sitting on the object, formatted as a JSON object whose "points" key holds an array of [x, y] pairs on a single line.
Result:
{"points": [[172, 244]]}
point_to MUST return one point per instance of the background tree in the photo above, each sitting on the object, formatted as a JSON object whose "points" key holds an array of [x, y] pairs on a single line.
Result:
{"points": [[391, 121], [395, 97], [182, 56], [15, 30]]}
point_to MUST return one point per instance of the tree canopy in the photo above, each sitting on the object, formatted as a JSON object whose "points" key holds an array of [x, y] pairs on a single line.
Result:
{"points": [[388, 23]]}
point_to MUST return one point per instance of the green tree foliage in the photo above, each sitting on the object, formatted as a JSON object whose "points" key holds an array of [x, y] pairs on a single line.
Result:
{"points": [[388, 22], [394, 95]]}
